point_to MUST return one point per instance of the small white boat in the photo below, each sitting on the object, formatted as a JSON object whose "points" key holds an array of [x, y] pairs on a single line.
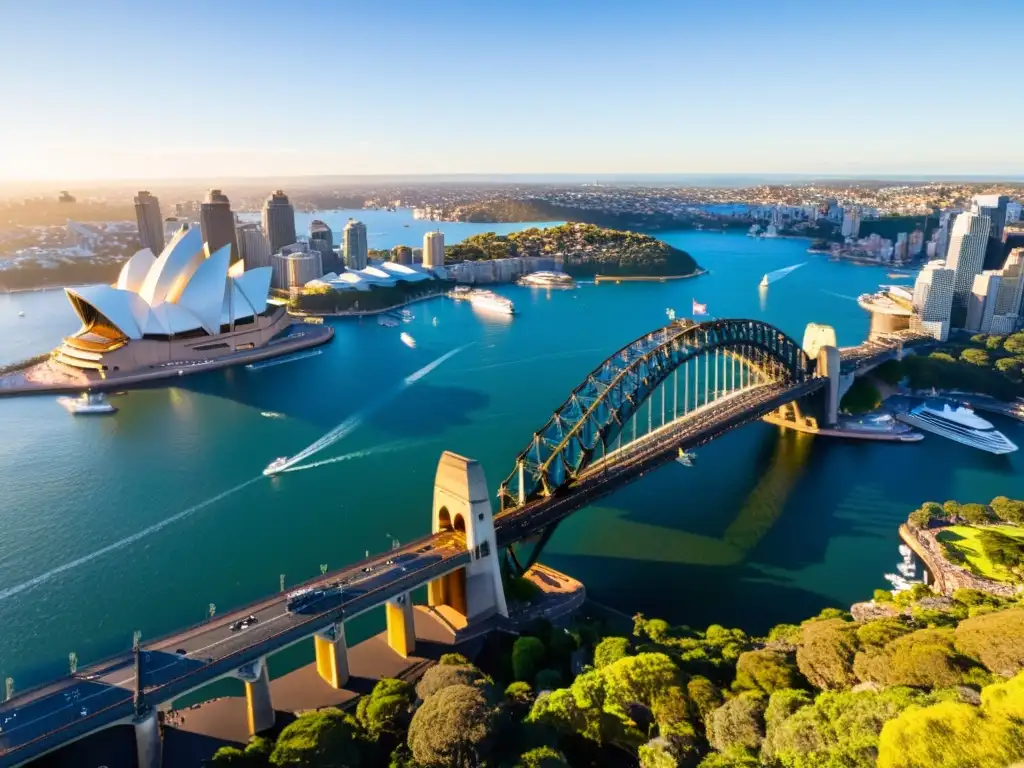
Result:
{"points": [[408, 340], [435, 322], [87, 403], [21, 313], [271, 415], [276, 466], [686, 458]]}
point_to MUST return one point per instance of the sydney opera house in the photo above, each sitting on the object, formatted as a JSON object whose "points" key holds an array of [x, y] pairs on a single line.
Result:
{"points": [[186, 306]]}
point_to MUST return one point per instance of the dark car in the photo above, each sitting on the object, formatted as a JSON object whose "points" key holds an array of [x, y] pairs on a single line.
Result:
{"points": [[181, 652]]}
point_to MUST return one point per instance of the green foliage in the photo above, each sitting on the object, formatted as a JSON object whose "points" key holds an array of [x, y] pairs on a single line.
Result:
{"points": [[456, 727], [521, 589], [1008, 510], [387, 709], [942, 370], [783, 704], [610, 650], [547, 679], [258, 751], [328, 738], [1010, 366], [976, 514], [441, 676], [1014, 343], [927, 513], [785, 633], [379, 297], [527, 657], [923, 659], [519, 693], [705, 696], [825, 654], [736, 758], [879, 632], [889, 372], [230, 756], [738, 723], [862, 397], [974, 357], [995, 639], [1003, 550], [767, 671], [993, 343], [542, 757], [453, 660]]}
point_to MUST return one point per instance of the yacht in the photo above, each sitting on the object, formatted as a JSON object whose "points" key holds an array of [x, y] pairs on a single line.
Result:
{"points": [[276, 466], [460, 293], [686, 457], [408, 340], [387, 321], [548, 280], [492, 302], [960, 424], [87, 403]]}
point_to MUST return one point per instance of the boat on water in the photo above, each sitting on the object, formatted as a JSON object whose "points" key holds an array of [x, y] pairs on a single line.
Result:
{"points": [[778, 274], [898, 275], [491, 302], [271, 415], [686, 458], [87, 403], [959, 423], [408, 340], [387, 321], [276, 466], [460, 293], [547, 279], [404, 315]]}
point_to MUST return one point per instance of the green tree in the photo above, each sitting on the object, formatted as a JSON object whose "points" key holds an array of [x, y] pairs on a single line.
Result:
{"points": [[923, 659], [766, 670], [610, 650], [863, 396], [705, 696], [258, 751], [442, 676], [455, 728], [976, 514], [327, 738], [825, 654], [994, 639], [527, 657], [975, 357], [547, 679], [387, 709], [944, 356], [454, 660], [993, 343], [881, 631], [734, 758], [1011, 366], [230, 756], [738, 723], [1014, 343], [1008, 510], [542, 757]]}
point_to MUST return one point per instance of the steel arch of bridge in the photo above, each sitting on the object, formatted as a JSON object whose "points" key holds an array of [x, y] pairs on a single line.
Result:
{"points": [[612, 393]]}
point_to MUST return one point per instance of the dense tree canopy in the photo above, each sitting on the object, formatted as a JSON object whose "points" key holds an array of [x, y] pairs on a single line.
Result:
{"points": [[454, 727], [825, 653], [328, 738]]}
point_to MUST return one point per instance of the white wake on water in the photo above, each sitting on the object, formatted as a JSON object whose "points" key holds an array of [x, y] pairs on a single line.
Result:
{"points": [[398, 445]]}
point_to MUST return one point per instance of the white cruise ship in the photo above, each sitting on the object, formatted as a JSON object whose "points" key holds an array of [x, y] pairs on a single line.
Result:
{"points": [[548, 280], [491, 302], [960, 424]]}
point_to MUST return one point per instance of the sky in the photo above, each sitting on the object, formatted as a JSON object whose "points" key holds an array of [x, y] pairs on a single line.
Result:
{"points": [[204, 90]]}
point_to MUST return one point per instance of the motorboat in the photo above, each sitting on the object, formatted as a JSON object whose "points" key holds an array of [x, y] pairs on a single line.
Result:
{"points": [[492, 302], [960, 423], [408, 340], [87, 403], [686, 458], [547, 279], [277, 465]]}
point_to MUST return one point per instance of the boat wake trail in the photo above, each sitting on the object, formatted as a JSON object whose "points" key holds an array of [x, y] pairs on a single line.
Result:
{"points": [[839, 295], [398, 445], [352, 422], [11, 591]]}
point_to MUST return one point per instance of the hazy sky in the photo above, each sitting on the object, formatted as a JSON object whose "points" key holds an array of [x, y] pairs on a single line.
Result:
{"points": [[222, 88]]}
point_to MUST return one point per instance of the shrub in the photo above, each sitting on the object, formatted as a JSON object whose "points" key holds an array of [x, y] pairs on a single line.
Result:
{"points": [[453, 660], [453, 727], [825, 654], [527, 657], [738, 723], [542, 757], [441, 676], [610, 650], [328, 738], [923, 659], [386, 709], [766, 670], [705, 696], [994, 639], [547, 680]]}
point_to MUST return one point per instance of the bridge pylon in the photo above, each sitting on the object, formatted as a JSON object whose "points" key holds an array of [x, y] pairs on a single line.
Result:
{"points": [[332, 655], [462, 505], [259, 709]]}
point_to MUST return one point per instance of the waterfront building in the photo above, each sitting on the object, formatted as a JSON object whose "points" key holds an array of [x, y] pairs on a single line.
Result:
{"points": [[218, 223], [188, 305], [385, 274], [321, 238], [253, 247], [966, 257], [851, 222], [295, 265], [933, 300], [899, 250], [433, 249], [915, 244], [401, 254], [1006, 314], [353, 242], [151, 224], [994, 207], [278, 219], [982, 302]]}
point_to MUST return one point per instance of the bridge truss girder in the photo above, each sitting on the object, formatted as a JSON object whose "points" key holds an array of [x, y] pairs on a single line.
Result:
{"points": [[597, 410]]}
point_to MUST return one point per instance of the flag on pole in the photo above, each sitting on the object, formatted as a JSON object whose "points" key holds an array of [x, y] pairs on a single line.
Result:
{"points": [[699, 309]]}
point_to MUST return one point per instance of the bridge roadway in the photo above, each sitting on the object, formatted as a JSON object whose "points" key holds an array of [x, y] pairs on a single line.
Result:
{"points": [[42, 719]]}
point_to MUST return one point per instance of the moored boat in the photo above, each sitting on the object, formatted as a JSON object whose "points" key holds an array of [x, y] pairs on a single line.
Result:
{"points": [[87, 403]]}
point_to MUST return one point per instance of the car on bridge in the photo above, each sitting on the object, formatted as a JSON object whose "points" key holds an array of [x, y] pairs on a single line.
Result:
{"points": [[245, 623]]}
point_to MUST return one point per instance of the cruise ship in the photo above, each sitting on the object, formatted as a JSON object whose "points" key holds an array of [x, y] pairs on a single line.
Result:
{"points": [[960, 424], [548, 280], [491, 302]]}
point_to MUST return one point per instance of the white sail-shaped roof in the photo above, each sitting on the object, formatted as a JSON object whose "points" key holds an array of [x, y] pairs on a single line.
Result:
{"points": [[122, 308], [134, 271], [237, 307], [205, 292], [174, 319], [255, 284], [174, 267]]}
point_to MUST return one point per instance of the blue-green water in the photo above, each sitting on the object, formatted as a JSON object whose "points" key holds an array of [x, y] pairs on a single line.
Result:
{"points": [[764, 528]]}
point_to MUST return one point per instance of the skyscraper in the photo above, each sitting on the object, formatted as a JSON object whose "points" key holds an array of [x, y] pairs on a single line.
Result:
{"points": [[151, 223], [851, 222], [217, 223], [966, 256], [933, 300], [993, 206], [401, 254], [433, 249], [1007, 312], [322, 239], [278, 221], [982, 302], [353, 239], [253, 248]]}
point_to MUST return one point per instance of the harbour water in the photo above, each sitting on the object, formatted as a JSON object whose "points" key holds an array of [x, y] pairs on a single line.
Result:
{"points": [[141, 520]]}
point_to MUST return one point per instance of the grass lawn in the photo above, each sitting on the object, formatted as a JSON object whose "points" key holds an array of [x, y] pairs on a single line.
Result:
{"points": [[964, 538]]}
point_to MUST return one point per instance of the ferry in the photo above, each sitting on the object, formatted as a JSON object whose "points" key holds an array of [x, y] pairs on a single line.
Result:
{"points": [[547, 280], [276, 466], [491, 302], [408, 340], [958, 423], [460, 293], [87, 403]]}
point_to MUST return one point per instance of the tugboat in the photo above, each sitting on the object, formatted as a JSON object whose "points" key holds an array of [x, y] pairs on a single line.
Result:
{"points": [[276, 466], [87, 403]]}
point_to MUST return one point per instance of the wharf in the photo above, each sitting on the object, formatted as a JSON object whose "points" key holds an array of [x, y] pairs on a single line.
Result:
{"points": [[848, 434]]}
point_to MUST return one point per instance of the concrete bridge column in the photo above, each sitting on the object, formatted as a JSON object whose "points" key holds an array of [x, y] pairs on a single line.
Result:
{"points": [[332, 655], [829, 365], [258, 707], [149, 748], [401, 626]]}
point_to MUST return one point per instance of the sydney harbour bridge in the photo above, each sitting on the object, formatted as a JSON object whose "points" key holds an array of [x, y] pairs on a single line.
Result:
{"points": [[665, 393]]}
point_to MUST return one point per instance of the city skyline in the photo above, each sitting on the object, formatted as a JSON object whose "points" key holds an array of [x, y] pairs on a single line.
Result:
{"points": [[685, 89]]}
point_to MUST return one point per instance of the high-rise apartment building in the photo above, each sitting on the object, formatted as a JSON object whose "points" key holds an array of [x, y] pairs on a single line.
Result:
{"points": [[966, 255], [982, 302], [402, 254], [933, 300], [294, 266], [353, 239], [433, 249], [218, 223], [253, 246], [1013, 211], [1008, 308], [321, 238], [151, 223], [994, 207], [851, 222], [278, 219]]}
